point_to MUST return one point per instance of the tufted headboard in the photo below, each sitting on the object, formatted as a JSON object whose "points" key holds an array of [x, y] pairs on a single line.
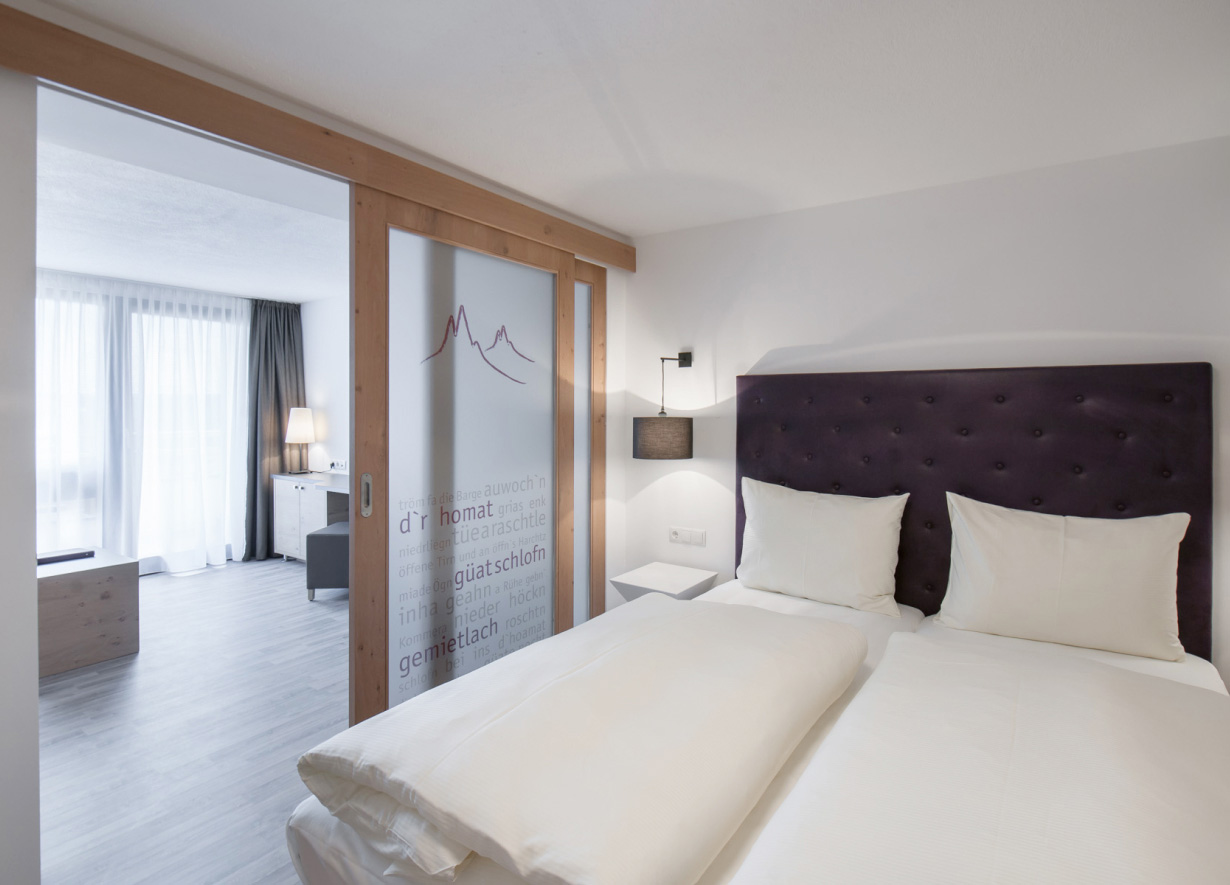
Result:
{"points": [[1103, 441]]}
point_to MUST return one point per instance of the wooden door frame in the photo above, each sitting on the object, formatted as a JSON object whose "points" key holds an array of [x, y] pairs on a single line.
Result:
{"points": [[595, 276], [374, 213]]}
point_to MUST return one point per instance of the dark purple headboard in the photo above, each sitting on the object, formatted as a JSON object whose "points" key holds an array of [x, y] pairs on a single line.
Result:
{"points": [[1104, 441]]}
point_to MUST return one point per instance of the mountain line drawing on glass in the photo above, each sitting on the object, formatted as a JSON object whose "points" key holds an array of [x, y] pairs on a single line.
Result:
{"points": [[502, 335], [502, 341]]}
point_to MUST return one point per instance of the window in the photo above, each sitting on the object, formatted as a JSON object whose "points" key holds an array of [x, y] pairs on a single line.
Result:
{"points": [[142, 420]]}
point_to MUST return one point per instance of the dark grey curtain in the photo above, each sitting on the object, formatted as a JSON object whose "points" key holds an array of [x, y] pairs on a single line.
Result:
{"points": [[275, 386]]}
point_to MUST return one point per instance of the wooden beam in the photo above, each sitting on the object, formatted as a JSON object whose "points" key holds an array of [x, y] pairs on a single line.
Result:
{"points": [[428, 222], [369, 536], [595, 276], [39, 48], [565, 495]]}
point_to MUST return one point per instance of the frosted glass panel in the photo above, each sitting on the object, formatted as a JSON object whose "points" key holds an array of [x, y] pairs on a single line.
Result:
{"points": [[471, 475], [581, 411]]}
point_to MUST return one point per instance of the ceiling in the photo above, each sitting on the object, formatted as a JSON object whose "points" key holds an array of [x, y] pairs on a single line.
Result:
{"points": [[123, 196], [653, 115]]}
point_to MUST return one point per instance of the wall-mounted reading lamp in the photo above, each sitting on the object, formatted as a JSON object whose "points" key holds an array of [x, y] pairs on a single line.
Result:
{"points": [[664, 438]]}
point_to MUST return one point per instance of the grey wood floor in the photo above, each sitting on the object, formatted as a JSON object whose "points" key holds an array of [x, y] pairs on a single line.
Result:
{"points": [[177, 764]]}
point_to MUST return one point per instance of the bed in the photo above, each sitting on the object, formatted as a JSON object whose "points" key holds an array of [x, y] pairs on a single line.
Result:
{"points": [[326, 851], [1023, 760], [1107, 441]]}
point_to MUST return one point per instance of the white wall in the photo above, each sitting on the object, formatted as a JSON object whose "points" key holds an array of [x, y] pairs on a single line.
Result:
{"points": [[1124, 259], [19, 803], [326, 369]]}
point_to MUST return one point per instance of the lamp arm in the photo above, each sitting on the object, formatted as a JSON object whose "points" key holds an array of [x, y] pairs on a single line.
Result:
{"points": [[662, 413], [685, 361]]}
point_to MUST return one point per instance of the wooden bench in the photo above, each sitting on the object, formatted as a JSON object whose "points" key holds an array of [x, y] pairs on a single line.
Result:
{"points": [[88, 611]]}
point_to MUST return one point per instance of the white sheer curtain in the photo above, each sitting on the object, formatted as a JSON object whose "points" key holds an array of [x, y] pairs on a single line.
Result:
{"points": [[71, 416], [142, 420]]}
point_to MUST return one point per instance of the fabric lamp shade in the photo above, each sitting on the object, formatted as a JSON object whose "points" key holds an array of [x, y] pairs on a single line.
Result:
{"points": [[662, 438], [300, 428]]}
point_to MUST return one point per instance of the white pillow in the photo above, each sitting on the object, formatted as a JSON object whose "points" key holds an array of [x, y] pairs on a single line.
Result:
{"points": [[830, 548], [1094, 583]]}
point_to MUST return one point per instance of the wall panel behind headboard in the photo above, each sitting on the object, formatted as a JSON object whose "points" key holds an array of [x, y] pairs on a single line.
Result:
{"points": [[1100, 441]]}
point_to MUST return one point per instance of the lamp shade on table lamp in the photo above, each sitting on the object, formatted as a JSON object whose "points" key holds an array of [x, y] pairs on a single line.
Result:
{"points": [[300, 429]]}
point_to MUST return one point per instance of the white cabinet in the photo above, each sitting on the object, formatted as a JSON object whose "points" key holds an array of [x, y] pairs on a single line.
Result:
{"points": [[286, 539], [303, 504]]}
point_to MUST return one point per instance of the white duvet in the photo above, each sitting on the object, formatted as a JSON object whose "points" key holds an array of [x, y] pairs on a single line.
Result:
{"points": [[626, 750], [963, 764]]}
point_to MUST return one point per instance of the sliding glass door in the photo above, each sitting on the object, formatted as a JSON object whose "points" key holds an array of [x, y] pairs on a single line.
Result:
{"points": [[471, 460], [469, 432]]}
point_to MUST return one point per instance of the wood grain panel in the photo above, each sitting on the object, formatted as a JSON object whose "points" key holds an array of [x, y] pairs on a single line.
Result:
{"points": [[595, 276], [565, 495], [86, 616], [369, 538], [428, 222], [33, 46]]}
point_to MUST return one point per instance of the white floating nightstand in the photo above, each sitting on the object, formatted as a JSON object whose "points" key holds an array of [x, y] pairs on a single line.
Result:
{"points": [[661, 577]]}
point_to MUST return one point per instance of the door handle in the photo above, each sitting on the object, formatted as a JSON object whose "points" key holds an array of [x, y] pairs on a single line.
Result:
{"points": [[365, 495]]}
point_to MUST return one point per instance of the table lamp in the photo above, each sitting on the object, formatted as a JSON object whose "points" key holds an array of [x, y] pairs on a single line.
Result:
{"points": [[300, 431]]}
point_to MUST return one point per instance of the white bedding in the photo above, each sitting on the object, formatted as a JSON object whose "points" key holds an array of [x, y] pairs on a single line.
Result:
{"points": [[876, 627], [621, 732], [329, 852], [1189, 669], [967, 762]]}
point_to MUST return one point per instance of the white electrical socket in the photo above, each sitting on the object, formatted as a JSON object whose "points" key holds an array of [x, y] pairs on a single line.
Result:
{"points": [[695, 537]]}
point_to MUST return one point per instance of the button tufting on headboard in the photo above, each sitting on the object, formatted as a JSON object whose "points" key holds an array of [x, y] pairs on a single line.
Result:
{"points": [[1140, 444]]}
